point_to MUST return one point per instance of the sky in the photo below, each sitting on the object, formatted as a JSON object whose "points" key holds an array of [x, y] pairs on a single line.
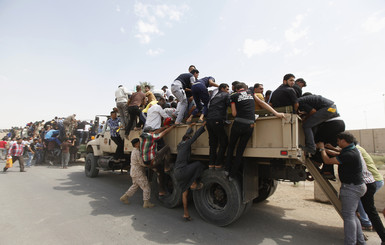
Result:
{"points": [[63, 57]]}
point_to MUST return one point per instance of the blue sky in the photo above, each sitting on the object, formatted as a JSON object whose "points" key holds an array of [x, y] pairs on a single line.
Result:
{"points": [[64, 57]]}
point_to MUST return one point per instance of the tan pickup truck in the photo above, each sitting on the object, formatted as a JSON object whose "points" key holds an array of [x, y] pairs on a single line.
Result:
{"points": [[272, 154]]}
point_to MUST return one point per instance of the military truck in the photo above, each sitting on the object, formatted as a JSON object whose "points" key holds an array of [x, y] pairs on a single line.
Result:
{"points": [[273, 153]]}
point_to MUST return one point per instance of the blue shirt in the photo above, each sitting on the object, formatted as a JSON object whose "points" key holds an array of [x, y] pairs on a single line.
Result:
{"points": [[114, 125], [51, 133], [205, 81]]}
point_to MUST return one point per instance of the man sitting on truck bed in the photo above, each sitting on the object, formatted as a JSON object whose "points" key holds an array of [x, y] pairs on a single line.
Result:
{"points": [[285, 95]]}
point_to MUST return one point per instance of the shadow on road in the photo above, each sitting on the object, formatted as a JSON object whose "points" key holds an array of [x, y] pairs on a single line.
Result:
{"points": [[264, 223]]}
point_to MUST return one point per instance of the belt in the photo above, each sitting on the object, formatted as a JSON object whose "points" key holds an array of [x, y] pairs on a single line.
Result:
{"points": [[243, 120]]}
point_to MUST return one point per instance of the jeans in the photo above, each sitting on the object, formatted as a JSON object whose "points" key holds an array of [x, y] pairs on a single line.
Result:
{"points": [[368, 204], [363, 216], [65, 158], [143, 117], [30, 157], [217, 135], [241, 132], [317, 118], [178, 91], [201, 95], [350, 195]]}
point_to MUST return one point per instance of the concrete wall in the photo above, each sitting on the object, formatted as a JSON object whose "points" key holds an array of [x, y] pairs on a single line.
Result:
{"points": [[373, 140]]}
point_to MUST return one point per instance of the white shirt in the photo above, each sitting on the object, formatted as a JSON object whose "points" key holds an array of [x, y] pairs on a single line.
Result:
{"points": [[121, 95], [154, 116], [167, 94]]}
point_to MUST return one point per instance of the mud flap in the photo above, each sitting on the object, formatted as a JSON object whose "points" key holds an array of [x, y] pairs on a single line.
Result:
{"points": [[250, 181]]}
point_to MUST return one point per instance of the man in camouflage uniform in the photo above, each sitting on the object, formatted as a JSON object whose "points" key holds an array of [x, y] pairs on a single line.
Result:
{"points": [[138, 176]]}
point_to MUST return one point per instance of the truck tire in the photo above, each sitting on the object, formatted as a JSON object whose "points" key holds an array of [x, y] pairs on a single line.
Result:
{"points": [[90, 168], [220, 200], [173, 197], [267, 188]]}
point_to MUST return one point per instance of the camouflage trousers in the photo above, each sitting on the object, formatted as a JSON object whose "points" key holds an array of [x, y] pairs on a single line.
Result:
{"points": [[141, 182]]}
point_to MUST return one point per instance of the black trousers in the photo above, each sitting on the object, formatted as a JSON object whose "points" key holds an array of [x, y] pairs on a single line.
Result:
{"points": [[217, 136], [119, 153], [368, 204], [134, 113], [327, 132], [239, 132]]}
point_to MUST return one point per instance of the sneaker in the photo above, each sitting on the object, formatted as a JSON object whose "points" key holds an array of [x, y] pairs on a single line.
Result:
{"points": [[5, 169]]}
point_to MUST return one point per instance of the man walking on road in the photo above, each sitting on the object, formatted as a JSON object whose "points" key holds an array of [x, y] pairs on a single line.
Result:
{"points": [[16, 150]]}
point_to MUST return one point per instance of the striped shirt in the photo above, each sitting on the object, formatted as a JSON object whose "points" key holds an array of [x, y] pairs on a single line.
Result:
{"points": [[368, 176], [148, 146], [16, 150]]}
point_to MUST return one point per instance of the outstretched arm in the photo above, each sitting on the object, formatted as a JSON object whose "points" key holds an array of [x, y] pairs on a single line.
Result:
{"points": [[263, 104]]}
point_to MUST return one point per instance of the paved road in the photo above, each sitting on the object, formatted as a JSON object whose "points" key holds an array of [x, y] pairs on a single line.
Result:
{"points": [[49, 205]]}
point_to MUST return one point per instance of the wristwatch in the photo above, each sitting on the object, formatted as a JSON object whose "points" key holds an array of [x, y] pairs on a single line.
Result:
{"points": [[321, 149]]}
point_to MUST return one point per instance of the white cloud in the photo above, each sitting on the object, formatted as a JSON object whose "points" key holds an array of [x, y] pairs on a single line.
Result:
{"points": [[153, 17], [256, 47], [295, 32], [374, 23], [154, 52], [122, 30], [144, 38], [117, 8]]}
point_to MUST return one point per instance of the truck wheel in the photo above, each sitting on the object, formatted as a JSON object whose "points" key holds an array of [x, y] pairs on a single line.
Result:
{"points": [[90, 168], [220, 200], [267, 188], [173, 197]]}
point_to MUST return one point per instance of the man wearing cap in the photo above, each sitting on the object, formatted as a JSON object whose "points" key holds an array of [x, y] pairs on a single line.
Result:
{"points": [[156, 158], [16, 151], [121, 97], [299, 84], [139, 179]]}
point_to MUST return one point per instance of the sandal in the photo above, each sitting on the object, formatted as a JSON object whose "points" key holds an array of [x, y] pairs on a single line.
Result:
{"points": [[200, 121], [367, 228], [188, 218], [198, 187]]}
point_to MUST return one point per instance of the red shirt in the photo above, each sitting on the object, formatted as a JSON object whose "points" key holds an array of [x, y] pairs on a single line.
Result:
{"points": [[2, 144]]}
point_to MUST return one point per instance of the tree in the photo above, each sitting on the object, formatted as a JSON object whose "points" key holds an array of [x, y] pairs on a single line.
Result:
{"points": [[142, 84]]}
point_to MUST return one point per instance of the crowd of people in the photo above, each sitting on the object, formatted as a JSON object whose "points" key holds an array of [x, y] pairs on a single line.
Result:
{"points": [[190, 100], [51, 141], [324, 129]]}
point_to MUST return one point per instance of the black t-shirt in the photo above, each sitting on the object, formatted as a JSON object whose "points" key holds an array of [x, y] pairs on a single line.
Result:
{"points": [[284, 95], [307, 103], [244, 102], [298, 90], [350, 168], [218, 106], [185, 78]]}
